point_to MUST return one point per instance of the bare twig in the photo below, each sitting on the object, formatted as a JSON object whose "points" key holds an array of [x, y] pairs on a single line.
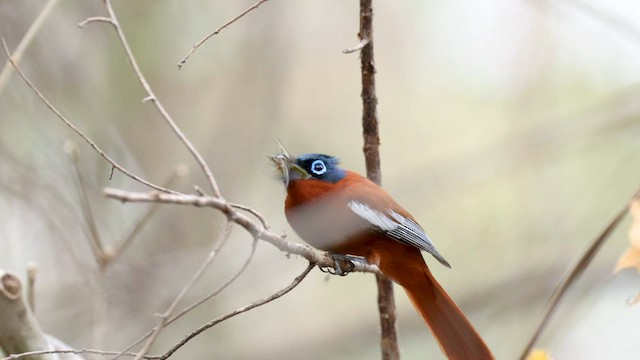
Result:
{"points": [[39, 354], [97, 245], [222, 239], [78, 131], [224, 286], [573, 275], [386, 302], [253, 212], [201, 301], [7, 70], [241, 310], [151, 96], [32, 272], [309, 253], [216, 31], [358, 47], [94, 19], [122, 247]]}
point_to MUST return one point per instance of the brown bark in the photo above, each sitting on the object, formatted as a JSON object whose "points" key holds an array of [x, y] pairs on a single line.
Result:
{"points": [[386, 302]]}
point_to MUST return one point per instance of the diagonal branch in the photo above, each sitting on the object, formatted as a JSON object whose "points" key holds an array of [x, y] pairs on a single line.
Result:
{"points": [[97, 245], [222, 239], [196, 304], [151, 96], [5, 75], [122, 247], [78, 131], [574, 274], [317, 257], [216, 31], [241, 310]]}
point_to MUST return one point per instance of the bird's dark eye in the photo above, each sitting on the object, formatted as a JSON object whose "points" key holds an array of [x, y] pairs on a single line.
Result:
{"points": [[318, 167]]}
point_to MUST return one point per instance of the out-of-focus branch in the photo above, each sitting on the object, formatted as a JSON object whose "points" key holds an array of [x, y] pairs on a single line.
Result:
{"points": [[216, 31], [43, 354], [386, 301], [97, 246], [7, 70], [219, 290], [241, 310], [151, 96], [32, 271], [76, 129], [312, 255], [218, 244], [574, 274], [119, 249], [201, 301], [93, 19], [19, 329]]}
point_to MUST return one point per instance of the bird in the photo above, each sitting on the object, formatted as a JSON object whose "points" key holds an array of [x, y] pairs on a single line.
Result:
{"points": [[346, 214]]}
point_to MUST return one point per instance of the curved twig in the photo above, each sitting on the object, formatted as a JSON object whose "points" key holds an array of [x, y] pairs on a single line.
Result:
{"points": [[315, 256], [78, 131], [216, 31], [151, 96], [5, 75], [222, 239], [253, 305], [573, 275]]}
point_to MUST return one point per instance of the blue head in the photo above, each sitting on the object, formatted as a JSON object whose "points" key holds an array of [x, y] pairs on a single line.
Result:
{"points": [[320, 167]]}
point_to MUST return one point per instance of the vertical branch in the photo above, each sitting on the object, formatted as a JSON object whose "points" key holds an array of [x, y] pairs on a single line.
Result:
{"points": [[369, 98], [386, 302], [151, 96]]}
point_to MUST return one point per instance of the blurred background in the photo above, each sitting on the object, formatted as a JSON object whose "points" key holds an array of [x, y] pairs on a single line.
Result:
{"points": [[510, 130]]}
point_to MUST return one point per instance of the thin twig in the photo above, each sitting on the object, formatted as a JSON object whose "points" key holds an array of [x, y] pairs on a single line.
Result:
{"points": [[78, 131], [158, 105], [224, 286], [122, 247], [315, 256], [33, 354], [97, 245], [222, 239], [241, 310], [94, 19], [253, 212], [201, 301], [571, 277], [216, 31], [32, 272], [358, 47], [7, 70]]}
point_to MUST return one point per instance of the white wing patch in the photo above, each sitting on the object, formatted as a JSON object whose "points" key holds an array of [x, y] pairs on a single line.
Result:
{"points": [[374, 217], [397, 227]]}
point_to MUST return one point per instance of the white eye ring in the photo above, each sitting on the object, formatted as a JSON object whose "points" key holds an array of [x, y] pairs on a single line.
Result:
{"points": [[318, 167]]}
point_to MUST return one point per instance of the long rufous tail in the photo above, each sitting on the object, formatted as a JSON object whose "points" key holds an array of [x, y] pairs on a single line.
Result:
{"points": [[455, 334]]}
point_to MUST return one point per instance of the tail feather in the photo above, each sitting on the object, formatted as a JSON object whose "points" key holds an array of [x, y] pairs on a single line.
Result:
{"points": [[455, 334]]}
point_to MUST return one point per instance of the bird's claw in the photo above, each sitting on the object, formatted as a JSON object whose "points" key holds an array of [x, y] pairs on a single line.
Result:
{"points": [[344, 264]]}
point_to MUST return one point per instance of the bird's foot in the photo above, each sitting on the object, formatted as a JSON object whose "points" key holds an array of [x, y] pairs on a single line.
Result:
{"points": [[344, 264]]}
